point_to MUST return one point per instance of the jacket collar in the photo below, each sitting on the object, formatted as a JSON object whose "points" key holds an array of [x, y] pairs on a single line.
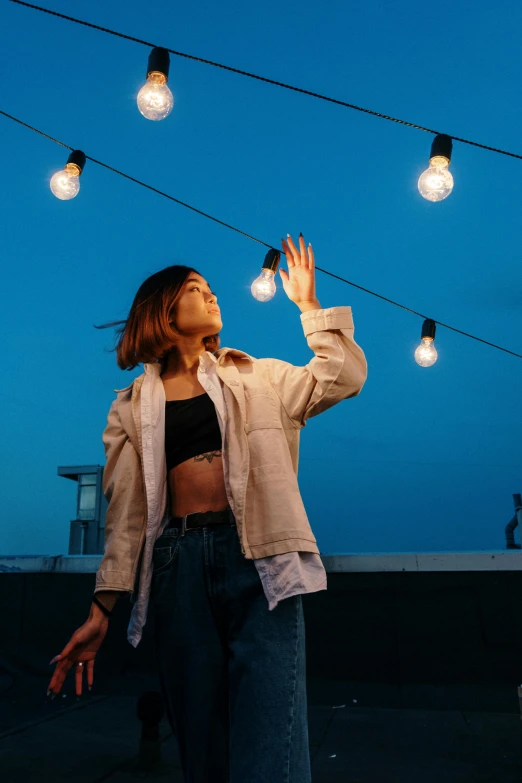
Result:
{"points": [[219, 358]]}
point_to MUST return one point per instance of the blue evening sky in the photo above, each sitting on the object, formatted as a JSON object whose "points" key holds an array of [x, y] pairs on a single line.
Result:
{"points": [[423, 459]]}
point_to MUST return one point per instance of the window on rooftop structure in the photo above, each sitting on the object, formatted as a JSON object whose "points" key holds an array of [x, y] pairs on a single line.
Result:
{"points": [[86, 496]]}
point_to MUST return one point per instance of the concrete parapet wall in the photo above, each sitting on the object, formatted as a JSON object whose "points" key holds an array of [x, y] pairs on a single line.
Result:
{"points": [[376, 626]]}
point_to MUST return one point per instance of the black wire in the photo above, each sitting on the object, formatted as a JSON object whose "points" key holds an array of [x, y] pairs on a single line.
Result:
{"points": [[265, 79], [132, 179], [249, 236]]}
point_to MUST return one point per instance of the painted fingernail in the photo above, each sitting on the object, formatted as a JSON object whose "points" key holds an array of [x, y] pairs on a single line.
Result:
{"points": [[53, 696], [288, 235], [300, 233], [48, 691]]}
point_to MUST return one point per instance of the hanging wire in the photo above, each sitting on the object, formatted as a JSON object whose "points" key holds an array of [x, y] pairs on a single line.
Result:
{"points": [[265, 79], [249, 236], [133, 179]]}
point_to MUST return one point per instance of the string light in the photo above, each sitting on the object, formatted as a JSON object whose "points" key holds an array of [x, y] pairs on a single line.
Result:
{"points": [[155, 100], [65, 184], [436, 183], [283, 85], [254, 239], [263, 288], [426, 354]]}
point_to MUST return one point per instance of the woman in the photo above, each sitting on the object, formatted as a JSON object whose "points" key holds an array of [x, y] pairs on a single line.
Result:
{"points": [[206, 524]]}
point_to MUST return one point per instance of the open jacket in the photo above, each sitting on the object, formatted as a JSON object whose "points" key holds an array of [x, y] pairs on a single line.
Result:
{"points": [[267, 403]]}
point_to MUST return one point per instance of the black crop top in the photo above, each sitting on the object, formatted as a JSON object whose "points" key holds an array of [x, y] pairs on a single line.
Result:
{"points": [[191, 427]]}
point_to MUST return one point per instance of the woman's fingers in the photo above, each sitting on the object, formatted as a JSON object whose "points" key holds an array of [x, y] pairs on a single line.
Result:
{"points": [[78, 675], [312, 257], [89, 667], [288, 253], [302, 246], [295, 251], [58, 678], [90, 673], [62, 666], [60, 674], [298, 256]]}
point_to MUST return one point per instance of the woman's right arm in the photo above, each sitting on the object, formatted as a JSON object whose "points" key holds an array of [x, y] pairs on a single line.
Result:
{"points": [[123, 534], [125, 517]]}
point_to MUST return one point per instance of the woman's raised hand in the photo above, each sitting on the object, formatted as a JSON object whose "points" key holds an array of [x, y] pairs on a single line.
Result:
{"points": [[299, 281]]}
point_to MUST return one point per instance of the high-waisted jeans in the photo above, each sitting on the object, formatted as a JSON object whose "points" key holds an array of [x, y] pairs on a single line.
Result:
{"points": [[233, 673]]}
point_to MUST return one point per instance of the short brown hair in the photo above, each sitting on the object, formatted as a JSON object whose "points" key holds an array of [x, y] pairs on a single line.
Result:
{"points": [[146, 335]]}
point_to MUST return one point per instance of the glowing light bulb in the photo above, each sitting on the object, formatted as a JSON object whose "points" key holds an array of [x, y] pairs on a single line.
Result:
{"points": [[65, 184], [436, 183], [155, 100], [263, 288], [426, 353]]}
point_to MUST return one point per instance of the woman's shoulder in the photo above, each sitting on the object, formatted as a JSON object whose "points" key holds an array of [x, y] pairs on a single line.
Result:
{"points": [[131, 384], [126, 388]]}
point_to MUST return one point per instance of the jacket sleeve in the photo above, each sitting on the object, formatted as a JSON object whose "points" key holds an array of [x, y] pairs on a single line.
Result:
{"points": [[124, 518], [337, 371]]}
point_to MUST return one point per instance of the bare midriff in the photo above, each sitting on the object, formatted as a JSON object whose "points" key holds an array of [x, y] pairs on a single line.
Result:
{"points": [[198, 484]]}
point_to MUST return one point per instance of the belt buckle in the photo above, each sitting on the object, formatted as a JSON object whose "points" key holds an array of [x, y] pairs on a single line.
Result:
{"points": [[184, 525]]}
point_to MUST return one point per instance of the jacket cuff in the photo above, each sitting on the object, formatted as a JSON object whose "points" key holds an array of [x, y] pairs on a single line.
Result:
{"points": [[327, 318], [114, 580]]}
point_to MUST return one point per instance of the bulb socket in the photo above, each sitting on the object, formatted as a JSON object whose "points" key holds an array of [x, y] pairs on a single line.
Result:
{"points": [[159, 60], [442, 145], [428, 329], [78, 158], [272, 260]]}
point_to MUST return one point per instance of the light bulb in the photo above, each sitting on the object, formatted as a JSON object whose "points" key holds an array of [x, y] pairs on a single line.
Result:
{"points": [[65, 184], [426, 353], [263, 288], [436, 183], [155, 100]]}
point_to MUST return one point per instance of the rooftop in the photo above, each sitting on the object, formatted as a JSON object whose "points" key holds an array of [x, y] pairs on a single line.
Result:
{"points": [[97, 737]]}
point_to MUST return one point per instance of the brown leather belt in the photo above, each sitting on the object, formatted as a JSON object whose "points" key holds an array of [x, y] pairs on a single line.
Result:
{"points": [[201, 519]]}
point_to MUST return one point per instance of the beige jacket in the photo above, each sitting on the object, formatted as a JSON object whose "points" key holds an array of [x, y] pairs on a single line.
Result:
{"points": [[267, 403]]}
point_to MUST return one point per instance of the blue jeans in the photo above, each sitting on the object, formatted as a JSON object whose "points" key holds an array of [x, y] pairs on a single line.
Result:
{"points": [[233, 674]]}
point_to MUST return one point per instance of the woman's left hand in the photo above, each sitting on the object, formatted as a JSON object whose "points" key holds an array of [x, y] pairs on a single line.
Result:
{"points": [[299, 281]]}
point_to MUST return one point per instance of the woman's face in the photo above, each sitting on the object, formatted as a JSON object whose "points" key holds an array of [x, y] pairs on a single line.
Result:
{"points": [[197, 309]]}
